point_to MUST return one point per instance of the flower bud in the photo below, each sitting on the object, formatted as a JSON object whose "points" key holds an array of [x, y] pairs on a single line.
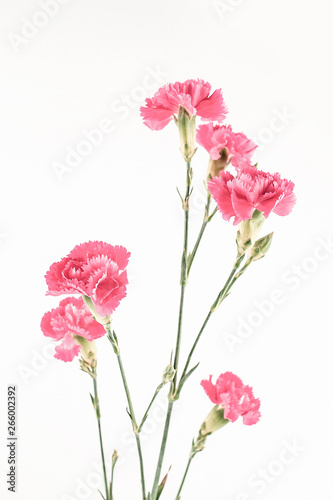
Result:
{"points": [[261, 247], [115, 457], [90, 305], [88, 350], [248, 231], [168, 374], [187, 133]]}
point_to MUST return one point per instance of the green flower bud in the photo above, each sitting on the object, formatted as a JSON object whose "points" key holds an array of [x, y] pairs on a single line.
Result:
{"points": [[187, 133], [168, 374], [115, 457]]}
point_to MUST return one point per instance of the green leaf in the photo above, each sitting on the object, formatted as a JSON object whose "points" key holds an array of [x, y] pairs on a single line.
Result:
{"points": [[129, 414], [101, 494], [161, 486], [183, 380]]}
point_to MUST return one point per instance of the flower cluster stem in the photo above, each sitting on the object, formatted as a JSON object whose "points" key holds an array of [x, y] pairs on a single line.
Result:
{"points": [[114, 342], [144, 418], [98, 416], [207, 218], [183, 272], [162, 450], [219, 299], [183, 281], [134, 424], [112, 479]]}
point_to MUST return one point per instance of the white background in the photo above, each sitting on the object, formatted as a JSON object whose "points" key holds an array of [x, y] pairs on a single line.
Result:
{"points": [[268, 57]]}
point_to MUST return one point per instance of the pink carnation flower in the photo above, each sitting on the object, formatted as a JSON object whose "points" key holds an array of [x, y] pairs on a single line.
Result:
{"points": [[221, 141], [193, 95], [95, 269], [234, 397], [252, 189], [70, 318]]}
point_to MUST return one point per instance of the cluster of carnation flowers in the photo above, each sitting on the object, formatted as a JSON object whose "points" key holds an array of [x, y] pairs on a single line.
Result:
{"points": [[97, 272], [237, 196]]}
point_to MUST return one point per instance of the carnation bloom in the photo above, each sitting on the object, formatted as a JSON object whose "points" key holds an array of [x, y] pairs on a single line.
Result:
{"points": [[222, 143], [252, 189], [192, 95], [70, 318], [95, 269], [234, 397]]}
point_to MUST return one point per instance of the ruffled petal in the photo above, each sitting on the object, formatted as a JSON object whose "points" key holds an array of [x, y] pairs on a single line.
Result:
{"points": [[68, 349], [213, 108]]}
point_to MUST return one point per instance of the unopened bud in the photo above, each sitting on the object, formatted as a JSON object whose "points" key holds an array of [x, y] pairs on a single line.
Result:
{"points": [[168, 374], [248, 231], [115, 457], [187, 133]]}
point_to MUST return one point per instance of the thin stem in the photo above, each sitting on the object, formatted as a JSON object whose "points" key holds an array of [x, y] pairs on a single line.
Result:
{"points": [[142, 472], [183, 281], [184, 476], [193, 349], [162, 450], [128, 395], [144, 418], [98, 416], [207, 218], [114, 461], [219, 299], [183, 273], [134, 424]]}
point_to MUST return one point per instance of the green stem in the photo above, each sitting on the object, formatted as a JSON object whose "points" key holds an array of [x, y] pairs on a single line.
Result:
{"points": [[98, 416], [207, 218], [219, 299], [162, 450], [183, 280], [149, 406], [183, 272], [184, 476], [112, 476], [128, 395], [134, 424]]}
